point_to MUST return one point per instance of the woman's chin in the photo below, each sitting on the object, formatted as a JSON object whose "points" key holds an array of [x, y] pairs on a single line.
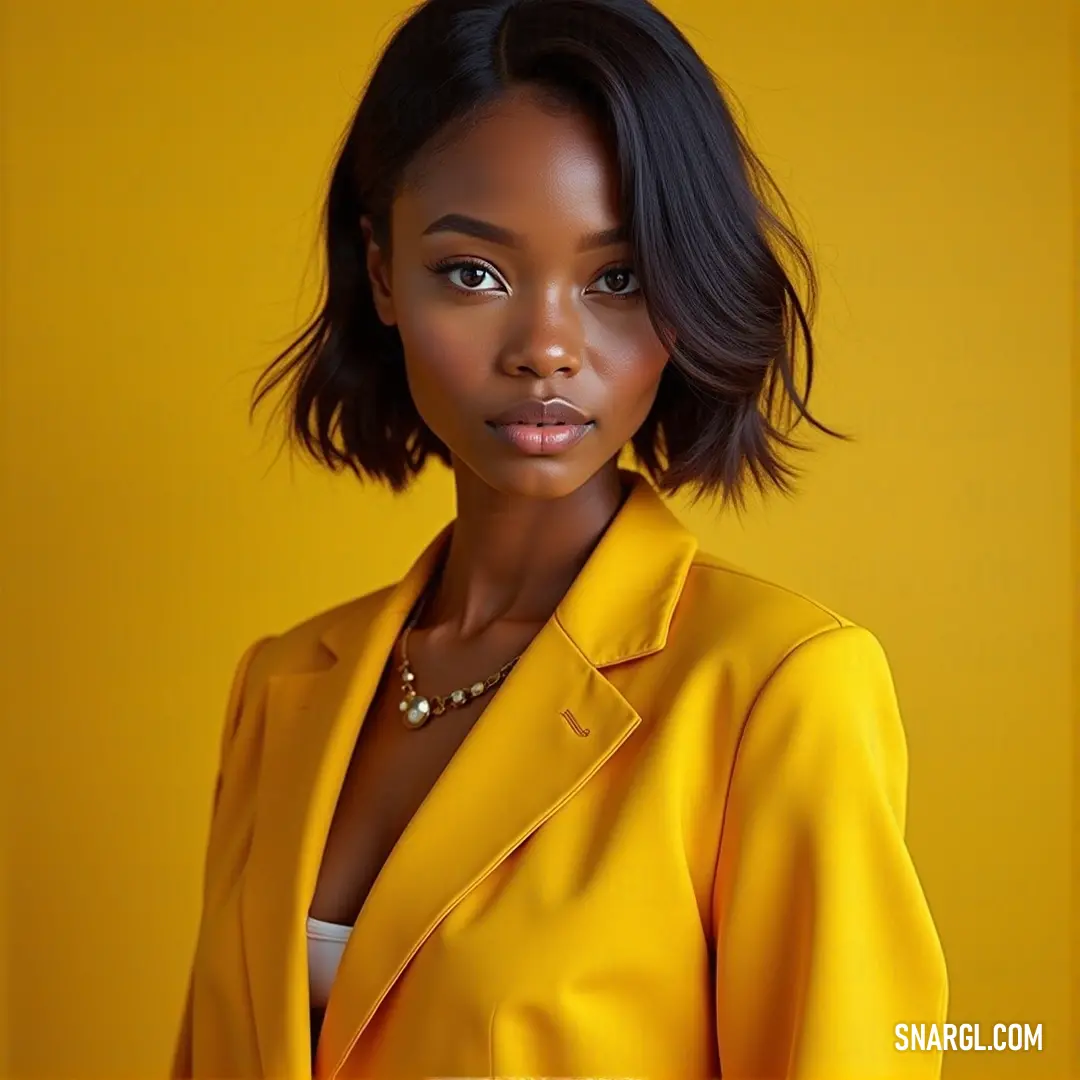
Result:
{"points": [[532, 477]]}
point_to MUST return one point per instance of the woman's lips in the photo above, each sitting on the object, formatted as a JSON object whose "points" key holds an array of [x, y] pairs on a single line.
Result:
{"points": [[542, 439]]}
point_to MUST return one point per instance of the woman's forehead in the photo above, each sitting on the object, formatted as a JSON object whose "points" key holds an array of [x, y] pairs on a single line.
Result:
{"points": [[518, 162]]}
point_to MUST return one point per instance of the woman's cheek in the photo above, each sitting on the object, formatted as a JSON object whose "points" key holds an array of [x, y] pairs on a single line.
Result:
{"points": [[445, 366], [451, 341], [431, 344], [631, 362]]}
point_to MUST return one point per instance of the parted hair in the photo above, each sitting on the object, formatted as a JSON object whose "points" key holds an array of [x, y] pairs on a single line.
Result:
{"points": [[728, 283]]}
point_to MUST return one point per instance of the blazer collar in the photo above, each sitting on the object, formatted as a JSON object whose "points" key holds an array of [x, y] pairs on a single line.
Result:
{"points": [[619, 607], [537, 743]]}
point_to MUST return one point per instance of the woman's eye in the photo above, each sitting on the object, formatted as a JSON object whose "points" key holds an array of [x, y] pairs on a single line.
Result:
{"points": [[620, 281], [475, 277], [470, 277]]}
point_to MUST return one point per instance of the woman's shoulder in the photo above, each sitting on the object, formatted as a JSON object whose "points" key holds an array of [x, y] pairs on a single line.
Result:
{"points": [[728, 610], [747, 593], [307, 644], [813, 677]]}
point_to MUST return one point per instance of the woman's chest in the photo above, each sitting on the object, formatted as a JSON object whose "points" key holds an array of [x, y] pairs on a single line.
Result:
{"points": [[392, 770]]}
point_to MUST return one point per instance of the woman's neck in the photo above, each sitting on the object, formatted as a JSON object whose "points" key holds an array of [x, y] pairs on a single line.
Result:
{"points": [[512, 559]]}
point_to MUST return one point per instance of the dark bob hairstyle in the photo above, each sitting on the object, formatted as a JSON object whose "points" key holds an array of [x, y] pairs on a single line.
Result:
{"points": [[709, 250]]}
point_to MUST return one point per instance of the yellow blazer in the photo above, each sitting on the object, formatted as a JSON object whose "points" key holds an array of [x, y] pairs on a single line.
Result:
{"points": [[672, 845]]}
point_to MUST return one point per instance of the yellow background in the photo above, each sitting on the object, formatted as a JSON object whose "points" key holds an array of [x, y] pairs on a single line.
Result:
{"points": [[163, 166]]}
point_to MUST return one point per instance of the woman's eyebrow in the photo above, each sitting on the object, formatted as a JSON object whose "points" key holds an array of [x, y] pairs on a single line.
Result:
{"points": [[496, 234]]}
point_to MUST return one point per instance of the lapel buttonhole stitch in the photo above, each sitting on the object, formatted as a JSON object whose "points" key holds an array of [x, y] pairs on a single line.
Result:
{"points": [[577, 729]]}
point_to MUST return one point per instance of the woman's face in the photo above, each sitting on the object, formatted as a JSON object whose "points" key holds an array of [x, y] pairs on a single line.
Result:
{"points": [[511, 286]]}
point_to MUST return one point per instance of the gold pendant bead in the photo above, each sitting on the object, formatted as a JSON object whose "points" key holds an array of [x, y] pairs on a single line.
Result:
{"points": [[417, 711]]}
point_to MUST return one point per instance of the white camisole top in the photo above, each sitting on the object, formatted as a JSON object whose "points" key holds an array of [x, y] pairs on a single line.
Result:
{"points": [[325, 944]]}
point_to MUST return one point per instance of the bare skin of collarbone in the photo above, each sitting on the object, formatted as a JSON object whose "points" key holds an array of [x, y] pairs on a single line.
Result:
{"points": [[393, 767]]}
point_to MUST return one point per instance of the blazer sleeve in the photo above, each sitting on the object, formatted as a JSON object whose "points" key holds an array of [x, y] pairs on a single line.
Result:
{"points": [[825, 942], [182, 1056]]}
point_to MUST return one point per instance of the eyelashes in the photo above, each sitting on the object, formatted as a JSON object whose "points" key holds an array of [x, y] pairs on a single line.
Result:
{"points": [[447, 268]]}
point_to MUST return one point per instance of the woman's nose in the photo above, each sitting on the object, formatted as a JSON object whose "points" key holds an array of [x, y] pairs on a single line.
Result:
{"points": [[547, 337]]}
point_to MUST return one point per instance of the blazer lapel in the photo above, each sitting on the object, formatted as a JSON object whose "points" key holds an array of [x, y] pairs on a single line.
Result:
{"points": [[519, 763], [310, 728], [551, 725]]}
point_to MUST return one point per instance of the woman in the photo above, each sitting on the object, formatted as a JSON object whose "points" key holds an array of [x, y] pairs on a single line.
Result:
{"points": [[573, 798]]}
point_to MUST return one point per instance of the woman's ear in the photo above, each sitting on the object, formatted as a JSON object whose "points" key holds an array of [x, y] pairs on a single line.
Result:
{"points": [[378, 270]]}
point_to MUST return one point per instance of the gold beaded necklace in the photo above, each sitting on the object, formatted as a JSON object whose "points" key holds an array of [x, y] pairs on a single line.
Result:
{"points": [[417, 709]]}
